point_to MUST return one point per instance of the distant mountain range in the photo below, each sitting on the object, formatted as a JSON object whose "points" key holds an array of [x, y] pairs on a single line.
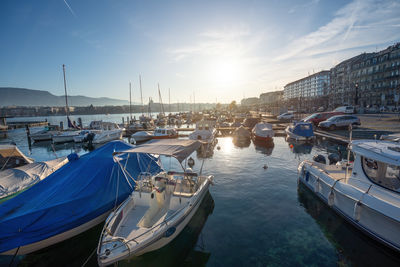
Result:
{"points": [[28, 97]]}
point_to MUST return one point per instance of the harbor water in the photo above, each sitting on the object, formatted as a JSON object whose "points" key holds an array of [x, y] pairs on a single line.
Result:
{"points": [[255, 215]]}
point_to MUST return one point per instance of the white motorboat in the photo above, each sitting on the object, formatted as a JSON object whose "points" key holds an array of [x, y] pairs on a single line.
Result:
{"points": [[15, 180], [366, 193], [12, 157], [45, 134], [64, 137], [109, 131], [159, 208], [205, 131], [141, 136], [263, 131], [165, 133]]}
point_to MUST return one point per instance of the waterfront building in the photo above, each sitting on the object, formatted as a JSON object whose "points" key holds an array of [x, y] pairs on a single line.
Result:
{"points": [[369, 79], [251, 101], [271, 97], [312, 86]]}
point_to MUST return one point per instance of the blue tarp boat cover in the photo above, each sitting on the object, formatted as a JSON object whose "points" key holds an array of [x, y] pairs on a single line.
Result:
{"points": [[303, 129], [77, 193]]}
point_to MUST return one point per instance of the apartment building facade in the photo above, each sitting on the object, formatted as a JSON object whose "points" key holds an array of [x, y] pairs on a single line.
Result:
{"points": [[312, 86]]}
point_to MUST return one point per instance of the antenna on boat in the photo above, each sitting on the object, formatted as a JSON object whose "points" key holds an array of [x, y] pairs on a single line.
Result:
{"points": [[169, 99], [348, 151]]}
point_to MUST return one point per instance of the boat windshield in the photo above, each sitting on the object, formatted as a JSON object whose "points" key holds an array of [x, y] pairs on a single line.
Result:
{"points": [[383, 174]]}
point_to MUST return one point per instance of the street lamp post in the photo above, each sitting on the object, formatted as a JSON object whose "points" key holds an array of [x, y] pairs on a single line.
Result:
{"points": [[356, 96]]}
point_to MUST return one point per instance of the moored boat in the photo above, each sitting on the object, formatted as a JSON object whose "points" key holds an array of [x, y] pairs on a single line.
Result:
{"points": [[366, 193], [165, 133], [71, 200], [159, 208], [64, 137], [263, 131], [45, 134], [300, 131], [141, 136], [15, 180]]}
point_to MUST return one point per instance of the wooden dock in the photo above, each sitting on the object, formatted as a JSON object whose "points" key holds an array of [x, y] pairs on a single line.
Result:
{"points": [[332, 136], [23, 124]]}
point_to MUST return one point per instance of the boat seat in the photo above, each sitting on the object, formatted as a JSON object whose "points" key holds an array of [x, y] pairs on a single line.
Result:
{"points": [[182, 194], [159, 205]]}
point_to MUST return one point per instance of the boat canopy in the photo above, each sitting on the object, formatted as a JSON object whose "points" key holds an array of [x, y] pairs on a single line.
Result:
{"points": [[82, 190], [303, 129], [8, 151], [16, 179], [179, 149], [383, 151]]}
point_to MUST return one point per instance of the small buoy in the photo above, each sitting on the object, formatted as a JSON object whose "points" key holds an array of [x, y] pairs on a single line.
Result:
{"points": [[265, 166], [218, 147], [291, 146]]}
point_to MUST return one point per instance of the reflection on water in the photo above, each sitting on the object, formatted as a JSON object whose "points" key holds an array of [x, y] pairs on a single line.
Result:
{"points": [[353, 247], [264, 147], [241, 143], [300, 147]]}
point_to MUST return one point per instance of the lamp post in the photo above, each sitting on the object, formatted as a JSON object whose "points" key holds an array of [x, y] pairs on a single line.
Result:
{"points": [[356, 96]]}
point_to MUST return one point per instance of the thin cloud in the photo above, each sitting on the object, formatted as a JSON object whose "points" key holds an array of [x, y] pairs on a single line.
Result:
{"points": [[359, 23], [70, 9]]}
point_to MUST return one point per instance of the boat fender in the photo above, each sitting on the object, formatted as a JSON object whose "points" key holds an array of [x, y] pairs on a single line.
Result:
{"points": [[307, 175], [170, 231], [73, 157], [357, 211], [331, 198]]}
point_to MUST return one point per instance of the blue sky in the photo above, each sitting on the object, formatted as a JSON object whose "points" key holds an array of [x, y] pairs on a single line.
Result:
{"points": [[220, 50]]}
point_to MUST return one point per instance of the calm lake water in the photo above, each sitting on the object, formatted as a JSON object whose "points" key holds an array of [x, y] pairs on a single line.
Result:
{"points": [[253, 216]]}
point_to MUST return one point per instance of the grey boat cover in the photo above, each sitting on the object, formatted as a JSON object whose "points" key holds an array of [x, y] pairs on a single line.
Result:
{"points": [[177, 148], [20, 178]]}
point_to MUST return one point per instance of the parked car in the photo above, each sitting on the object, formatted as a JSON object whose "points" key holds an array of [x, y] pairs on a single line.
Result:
{"points": [[339, 121], [316, 118], [286, 116], [345, 109]]}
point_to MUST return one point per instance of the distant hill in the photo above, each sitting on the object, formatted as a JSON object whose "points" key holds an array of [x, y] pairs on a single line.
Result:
{"points": [[28, 97]]}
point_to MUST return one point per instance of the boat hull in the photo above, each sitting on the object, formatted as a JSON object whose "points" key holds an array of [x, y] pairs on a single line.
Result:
{"points": [[107, 137], [298, 137], [262, 138], [368, 213], [57, 238], [165, 137]]}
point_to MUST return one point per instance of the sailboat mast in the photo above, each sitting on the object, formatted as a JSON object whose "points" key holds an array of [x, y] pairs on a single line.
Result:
{"points": [[141, 95], [169, 99], [160, 99], [130, 103], [66, 97]]}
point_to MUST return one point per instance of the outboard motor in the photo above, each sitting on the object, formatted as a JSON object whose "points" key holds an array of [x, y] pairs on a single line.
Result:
{"points": [[89, 137], [333, 158], [319, 159]]}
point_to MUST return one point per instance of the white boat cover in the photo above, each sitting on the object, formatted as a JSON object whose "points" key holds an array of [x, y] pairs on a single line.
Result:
{"points": [[263, 129], [179, 149], [241, 132], [17, 179], [383, 151]]}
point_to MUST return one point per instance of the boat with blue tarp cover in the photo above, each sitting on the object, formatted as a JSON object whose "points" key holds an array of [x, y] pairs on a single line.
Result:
{"points": [[77, 197], [300, 131]]}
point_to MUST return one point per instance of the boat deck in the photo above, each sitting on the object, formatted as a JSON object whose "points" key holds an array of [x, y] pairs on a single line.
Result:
{"points": [[337, 172]]}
